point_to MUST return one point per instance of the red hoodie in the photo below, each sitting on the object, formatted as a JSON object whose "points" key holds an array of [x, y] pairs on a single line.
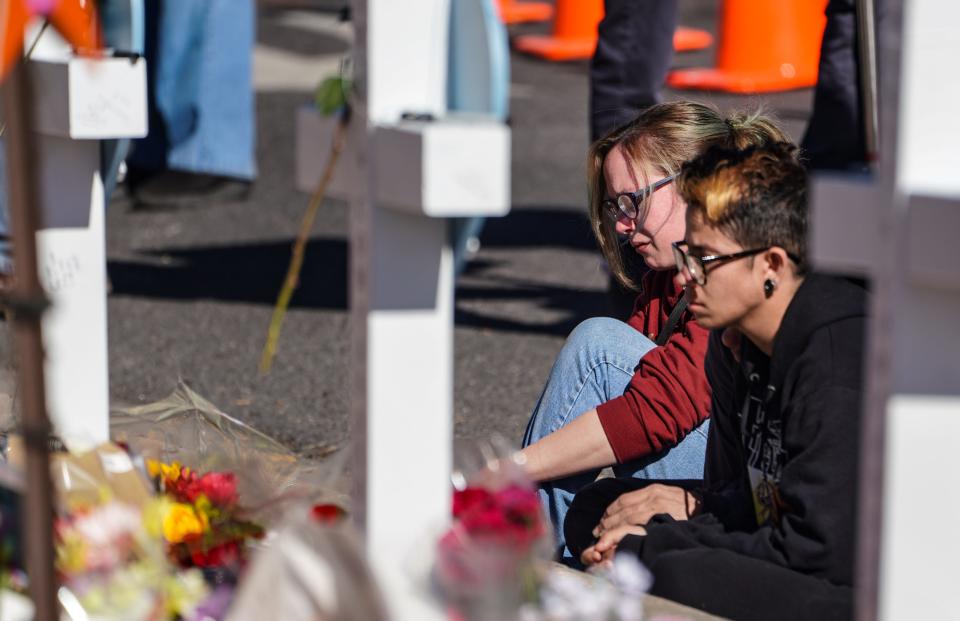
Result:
{"points": [[668, 396]]}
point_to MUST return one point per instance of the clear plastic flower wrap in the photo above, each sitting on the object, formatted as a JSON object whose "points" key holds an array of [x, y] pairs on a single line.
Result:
{"points": [[491, 559], [188, 430], [313, 570]]}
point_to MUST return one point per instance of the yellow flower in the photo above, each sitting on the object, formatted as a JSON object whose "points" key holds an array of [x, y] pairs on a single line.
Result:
{"points": [[181, 521], [153, 468], [170, 472], [71, 553]]}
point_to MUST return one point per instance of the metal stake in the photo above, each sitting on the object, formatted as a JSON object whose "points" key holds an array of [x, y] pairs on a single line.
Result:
{"points": [[27, 302]]}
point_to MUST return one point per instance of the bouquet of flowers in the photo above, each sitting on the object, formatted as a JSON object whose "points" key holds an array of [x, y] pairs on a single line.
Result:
{"points": [[115, 568], [490, 560], [187, 429], [199, 516]]}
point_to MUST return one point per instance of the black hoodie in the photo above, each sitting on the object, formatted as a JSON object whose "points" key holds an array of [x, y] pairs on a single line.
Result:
{"points": [[791, 424]]}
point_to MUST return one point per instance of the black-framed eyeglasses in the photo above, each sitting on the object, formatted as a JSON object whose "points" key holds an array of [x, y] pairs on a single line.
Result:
{"points": [[697, 266], [633, 205]]}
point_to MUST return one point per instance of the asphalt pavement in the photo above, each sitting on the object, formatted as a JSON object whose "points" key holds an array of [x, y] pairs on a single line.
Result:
{"points": [[192, 290]]}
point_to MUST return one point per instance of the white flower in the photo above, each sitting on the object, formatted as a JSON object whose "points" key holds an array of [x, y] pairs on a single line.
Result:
{"points": [[108, 523]]}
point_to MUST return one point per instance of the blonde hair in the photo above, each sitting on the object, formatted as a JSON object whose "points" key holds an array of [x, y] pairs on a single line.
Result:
{"points": [[665, 136]]}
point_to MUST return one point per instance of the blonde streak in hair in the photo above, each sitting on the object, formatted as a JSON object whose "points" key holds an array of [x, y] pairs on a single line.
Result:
{"points": [[718, 192]]}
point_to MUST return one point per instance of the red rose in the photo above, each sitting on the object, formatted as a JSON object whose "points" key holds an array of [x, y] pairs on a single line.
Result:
{"points": [[470, 499], [327, 514], [217, 556], [510, 515], [220, 488]]}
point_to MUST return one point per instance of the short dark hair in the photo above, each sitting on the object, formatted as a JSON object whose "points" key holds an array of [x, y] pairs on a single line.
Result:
{"points": [[757, 195]]}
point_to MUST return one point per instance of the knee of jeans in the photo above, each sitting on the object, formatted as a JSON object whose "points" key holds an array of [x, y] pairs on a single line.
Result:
{"points": [[598, 334]]}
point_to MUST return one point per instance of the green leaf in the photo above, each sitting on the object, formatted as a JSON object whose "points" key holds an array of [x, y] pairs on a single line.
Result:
{"points": [[332, 94]]}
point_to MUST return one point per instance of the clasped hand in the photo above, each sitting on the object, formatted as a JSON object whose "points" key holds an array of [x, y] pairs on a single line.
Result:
{"points": [[631, 511]]}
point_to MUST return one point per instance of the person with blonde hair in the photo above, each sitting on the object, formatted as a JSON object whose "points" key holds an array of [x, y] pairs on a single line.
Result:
{"points": [[633, 395], [771, 530]]}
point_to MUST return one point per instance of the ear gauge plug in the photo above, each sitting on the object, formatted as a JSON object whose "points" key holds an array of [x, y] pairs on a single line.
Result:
{"points": [[768, 287]]}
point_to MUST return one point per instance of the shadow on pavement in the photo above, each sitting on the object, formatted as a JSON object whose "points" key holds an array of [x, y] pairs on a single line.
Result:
{"points": [[251, 273], [572, 305], [541, 227]]}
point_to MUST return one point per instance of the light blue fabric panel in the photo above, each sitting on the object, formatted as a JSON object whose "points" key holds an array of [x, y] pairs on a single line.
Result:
{"points": [[479, 67]]}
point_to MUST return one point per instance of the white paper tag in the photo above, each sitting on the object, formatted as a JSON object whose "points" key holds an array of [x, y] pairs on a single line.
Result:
{"points": [[116, 463]]}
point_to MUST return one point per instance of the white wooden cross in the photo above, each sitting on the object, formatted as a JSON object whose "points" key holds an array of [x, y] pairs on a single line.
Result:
{"points": [[403, 180], [79, 101], [903, 231]]}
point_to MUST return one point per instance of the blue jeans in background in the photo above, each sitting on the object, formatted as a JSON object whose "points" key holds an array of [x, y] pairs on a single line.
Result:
{"points": [[595, 366], [122, 22], [199, 73]]}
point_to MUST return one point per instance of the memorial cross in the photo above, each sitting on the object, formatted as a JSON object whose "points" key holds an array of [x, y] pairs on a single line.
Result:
{"points": [[901, 230]]}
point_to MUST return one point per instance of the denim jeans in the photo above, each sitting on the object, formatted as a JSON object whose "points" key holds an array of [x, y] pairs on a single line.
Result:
{"points": [[595, 366], [199, 73], [122, 22]]}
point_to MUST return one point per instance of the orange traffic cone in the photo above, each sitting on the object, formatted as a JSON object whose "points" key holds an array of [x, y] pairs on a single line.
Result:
{"points": [[765, 46], [513, 12], [574, 32], [691, 39]]}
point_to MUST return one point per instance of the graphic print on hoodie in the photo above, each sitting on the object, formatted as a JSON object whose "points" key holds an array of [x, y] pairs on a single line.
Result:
{"points": [[762, 436]]}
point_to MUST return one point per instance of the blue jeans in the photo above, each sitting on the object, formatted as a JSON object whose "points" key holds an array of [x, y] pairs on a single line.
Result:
{"points": [[199, 73], [122, 22], [595, 366]]}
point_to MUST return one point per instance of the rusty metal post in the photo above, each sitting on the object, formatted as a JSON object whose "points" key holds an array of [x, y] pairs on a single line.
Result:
{"points": [[27, 302]]}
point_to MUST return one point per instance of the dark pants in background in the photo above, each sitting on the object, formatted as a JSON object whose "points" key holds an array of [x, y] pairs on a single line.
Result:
{"points": [[834, 139], [631, 61], [627, 71]]}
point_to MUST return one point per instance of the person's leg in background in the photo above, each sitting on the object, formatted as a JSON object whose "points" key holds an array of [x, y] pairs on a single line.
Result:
{"points": [[628, 69], [834, 138], [201, 144], [122, 22], [630, 64]]}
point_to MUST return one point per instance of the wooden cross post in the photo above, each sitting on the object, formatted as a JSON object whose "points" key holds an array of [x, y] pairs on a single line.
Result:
{"points": [[901, 229], [27, 302]]}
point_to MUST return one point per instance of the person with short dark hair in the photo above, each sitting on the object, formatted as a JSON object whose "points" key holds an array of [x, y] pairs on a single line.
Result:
{"points": [[770, 532]]}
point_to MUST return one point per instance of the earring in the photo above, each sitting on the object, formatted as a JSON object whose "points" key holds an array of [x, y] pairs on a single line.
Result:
{"points": [[768, 287]]}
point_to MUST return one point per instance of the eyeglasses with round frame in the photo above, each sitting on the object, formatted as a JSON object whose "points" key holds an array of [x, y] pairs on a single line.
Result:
{"points": [[697, 266], [633, 205]]}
